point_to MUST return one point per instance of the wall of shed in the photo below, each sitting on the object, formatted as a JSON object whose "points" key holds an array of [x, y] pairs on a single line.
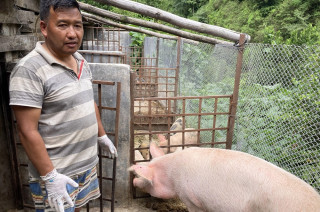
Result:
{"points": [[7, 191], [18, 35]]}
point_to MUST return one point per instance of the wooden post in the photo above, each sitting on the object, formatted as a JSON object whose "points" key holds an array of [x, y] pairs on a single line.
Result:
{"points": [[132, 81], [177, 72], [234, 99]]}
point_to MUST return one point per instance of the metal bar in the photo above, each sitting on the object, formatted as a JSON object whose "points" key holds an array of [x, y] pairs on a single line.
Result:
{"points": [[132, 80], [182, 97], [109, 108], [214, 119], [157, 65], [169, 121], [177, 71], [234, 102], [150, 116], [199, 119], [116, 144], [190, 145], [194, 130], [102, 52], [100, 152], [116, 134], [108, 41], [103, 82], [182, 114], [183, 119]]}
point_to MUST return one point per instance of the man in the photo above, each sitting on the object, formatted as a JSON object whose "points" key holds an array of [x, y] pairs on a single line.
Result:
{"points": [[52, 98]]}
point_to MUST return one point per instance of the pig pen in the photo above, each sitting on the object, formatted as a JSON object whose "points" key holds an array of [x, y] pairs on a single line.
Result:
{"points": [[161, 111]]}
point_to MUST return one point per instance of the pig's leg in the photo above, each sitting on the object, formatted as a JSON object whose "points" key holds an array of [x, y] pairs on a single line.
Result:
{"points": [[191, 200]]}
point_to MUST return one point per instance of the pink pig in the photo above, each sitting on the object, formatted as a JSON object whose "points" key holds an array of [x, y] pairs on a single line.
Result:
{"points": [[176, 139], [208, 179]]}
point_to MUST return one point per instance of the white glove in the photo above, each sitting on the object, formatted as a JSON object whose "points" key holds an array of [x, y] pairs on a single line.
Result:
{"points": [[56, 185], [107, 145]]}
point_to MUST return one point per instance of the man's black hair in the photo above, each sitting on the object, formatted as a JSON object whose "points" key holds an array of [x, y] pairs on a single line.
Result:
{"points": [[45, 6]]}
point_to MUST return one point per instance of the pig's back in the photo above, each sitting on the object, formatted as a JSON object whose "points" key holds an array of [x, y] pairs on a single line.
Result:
{"points": [[226, 180]]}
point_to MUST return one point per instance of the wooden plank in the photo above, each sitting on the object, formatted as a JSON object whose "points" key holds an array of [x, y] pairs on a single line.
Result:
{"points": [[6, 7], [33, 5], [17, 43], [18, 17]]}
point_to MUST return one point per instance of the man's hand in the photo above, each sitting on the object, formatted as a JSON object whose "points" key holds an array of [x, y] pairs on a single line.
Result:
{"points": [[107, 145], [56, 185]]}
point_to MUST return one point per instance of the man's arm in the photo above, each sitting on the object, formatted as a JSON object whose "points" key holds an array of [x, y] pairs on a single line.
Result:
{"points": [[27, 121], [101, 130]]}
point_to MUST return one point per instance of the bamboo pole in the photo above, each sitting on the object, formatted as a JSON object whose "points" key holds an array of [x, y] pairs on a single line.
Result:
{"points": [[156, 26], [101, 20], [174, 19]]}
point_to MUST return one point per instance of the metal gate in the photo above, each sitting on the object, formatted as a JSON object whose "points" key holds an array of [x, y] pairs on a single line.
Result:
{"points": [[107, 192], [157, 117]]}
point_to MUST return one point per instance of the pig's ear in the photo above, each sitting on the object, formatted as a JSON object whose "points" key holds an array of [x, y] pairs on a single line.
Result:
{"points": [[142, 171], [161, 138], [155, 150]]}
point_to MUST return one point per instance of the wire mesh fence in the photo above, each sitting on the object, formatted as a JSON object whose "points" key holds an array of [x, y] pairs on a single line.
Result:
{"points": [[278, 115], [206, 70]]}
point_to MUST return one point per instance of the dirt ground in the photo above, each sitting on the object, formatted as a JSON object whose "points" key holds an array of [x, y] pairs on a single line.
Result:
{"points": [[148, 205], [139, 205]]}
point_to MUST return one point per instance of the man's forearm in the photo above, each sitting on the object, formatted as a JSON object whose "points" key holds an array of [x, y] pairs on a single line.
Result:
{"points": [[27, 122], [101, 130], [36, 151]]}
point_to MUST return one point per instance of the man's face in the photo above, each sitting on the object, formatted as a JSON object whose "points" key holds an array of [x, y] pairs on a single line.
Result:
{"points": [[63, 31]]}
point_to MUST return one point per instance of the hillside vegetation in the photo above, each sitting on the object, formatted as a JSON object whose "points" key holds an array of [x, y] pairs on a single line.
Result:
{"points": [[267, 21]]}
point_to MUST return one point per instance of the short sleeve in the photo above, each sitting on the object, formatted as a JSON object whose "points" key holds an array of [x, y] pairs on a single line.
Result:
{"points": [[25, 88]]}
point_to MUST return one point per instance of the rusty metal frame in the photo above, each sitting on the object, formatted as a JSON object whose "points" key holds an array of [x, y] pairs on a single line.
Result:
{"points": [[116, 142], [110, 47], [148, 119]]}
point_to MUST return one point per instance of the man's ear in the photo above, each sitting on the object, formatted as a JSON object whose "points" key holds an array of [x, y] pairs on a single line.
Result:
{"points": [[43, 28]]}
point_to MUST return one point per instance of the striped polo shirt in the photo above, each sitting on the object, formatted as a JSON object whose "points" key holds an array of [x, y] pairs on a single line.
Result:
{"points": [[67, 123]]}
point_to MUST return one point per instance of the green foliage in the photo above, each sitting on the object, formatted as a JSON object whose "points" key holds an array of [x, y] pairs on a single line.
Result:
{"points": [[278, 116], [267, 21], [137, 39], [270, 107]]}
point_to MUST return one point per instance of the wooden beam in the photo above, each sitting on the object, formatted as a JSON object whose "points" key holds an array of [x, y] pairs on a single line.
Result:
{"points": [[152, 25], [17, 43], [174, 19], [33, 5], [18, 17], [97, 19], [100, 52]]}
